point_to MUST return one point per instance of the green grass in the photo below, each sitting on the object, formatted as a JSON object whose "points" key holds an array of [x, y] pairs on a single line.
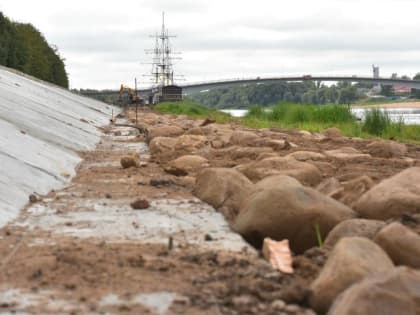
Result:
{"points": [[318, 235], [376, 122], [192, 109], [305, 117]]}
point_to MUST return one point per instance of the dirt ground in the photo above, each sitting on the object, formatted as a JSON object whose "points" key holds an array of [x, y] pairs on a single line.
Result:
{"points": [[85, 250]]}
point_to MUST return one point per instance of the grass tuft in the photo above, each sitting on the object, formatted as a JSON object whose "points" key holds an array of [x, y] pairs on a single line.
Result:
{"points": [[376, 122]]}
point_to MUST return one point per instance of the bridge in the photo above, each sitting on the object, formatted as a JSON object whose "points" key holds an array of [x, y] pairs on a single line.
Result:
{"points": [[191, 88]]}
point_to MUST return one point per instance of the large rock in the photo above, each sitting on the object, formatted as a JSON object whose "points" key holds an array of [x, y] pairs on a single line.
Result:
{"points": [[332, 133], [237, 153], [353, 227], [223, 188], [401, 244], [306, 173], [244, 138], [160, 145], [353, 189], [392, 292], [347, 154], [278, 145], [351, 260], [186, 164], [392, 197], [288, 211], [307, 156], [276, 181], [165, 131], [347, 192], [387, 149], [329, 186], [190, 143]]}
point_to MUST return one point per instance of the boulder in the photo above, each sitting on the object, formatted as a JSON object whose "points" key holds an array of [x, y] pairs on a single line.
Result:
{"points": [[392, 197], [395, 291], [387, 149], [306, 173], [353, 227], [160, 145], [237, 153], [186, 164], [351, 190], [195, 131], [288, 211], [332, 133], [223, 188], [305, 134], [307, 155], [243, 138], [276, 181], [128, 161], [190, 143], [266, 155], [278, 145], [140, 204], [347, 154], [351, 260], [165, 131], [329, 186], [401, 244]]}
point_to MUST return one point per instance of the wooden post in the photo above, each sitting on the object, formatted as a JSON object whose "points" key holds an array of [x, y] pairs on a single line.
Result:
{"points": [[137, 105]]}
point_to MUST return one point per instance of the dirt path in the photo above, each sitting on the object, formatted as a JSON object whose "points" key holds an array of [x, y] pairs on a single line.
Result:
{"points": [[84, 250]]}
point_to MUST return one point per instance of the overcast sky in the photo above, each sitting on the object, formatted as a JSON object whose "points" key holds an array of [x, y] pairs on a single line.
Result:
{"points": [[103, 42]]}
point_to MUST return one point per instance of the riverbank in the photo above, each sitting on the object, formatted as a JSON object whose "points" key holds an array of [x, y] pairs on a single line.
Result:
{"points": [[306, 117], [390, 105]]}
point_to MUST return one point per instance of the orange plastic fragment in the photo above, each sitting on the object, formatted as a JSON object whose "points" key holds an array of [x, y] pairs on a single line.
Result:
{"points": [[278, 254]]}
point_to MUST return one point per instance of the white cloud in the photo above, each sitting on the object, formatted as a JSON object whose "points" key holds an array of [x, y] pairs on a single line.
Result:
{"points": [[103, 41]]}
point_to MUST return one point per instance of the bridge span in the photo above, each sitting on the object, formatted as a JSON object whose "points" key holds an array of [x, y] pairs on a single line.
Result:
{"points": [[202, 86], [191, 88]]}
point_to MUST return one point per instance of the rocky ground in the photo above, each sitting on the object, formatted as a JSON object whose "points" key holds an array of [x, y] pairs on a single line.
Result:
{"points": [[136, 232]]}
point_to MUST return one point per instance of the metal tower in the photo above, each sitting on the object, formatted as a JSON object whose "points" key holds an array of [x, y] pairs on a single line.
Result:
{"points": [[162, 66]]}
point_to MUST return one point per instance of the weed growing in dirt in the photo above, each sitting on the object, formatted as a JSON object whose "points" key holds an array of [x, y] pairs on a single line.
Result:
{"points": [[318, 235]]}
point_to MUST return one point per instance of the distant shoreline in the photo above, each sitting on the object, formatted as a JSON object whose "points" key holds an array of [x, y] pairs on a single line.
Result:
{"points": [[391, 105]]}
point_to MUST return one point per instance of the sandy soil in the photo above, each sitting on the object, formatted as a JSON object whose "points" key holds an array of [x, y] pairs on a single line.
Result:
{"points": [[84, 250], [392, 105]]}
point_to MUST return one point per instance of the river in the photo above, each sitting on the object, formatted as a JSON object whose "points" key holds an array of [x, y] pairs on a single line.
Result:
{"points": [[410, 115]]}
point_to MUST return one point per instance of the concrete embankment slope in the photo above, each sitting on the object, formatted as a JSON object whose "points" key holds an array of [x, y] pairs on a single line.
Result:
{"points": [[41, 128]]}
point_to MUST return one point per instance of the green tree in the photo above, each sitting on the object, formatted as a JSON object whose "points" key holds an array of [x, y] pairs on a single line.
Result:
{"points": [[416, 92], [387, 90], [24, 48]]}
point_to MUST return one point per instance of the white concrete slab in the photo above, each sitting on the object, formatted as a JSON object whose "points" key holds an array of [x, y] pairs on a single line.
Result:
{"points": [[41, 128]]}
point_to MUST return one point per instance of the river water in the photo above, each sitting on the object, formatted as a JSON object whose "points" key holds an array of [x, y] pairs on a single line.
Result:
{"points": [[410, 115]]}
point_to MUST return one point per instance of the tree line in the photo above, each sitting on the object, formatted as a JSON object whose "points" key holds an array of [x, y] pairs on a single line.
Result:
{"points": [[24, 48], [306, 92]]}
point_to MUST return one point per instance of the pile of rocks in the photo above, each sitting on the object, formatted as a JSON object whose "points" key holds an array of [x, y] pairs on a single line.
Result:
{"points": [[268, 186]]}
